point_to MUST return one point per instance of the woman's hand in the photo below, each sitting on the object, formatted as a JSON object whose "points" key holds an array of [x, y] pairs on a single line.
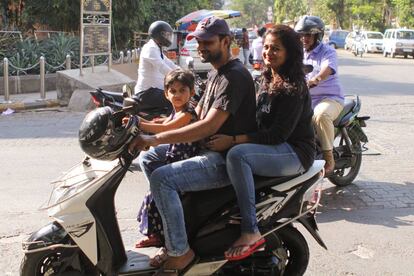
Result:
{"points": [[220, 142], [142, 142]]}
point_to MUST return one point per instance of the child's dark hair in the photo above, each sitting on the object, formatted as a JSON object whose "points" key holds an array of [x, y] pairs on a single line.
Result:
{"points": [[186, 77]]}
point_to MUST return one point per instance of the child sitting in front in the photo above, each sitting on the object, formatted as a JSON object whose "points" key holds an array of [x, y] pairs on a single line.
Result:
{"points": [[179, 88]]}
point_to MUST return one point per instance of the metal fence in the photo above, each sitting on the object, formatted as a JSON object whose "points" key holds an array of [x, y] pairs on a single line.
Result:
{"points": [[129, 57]]}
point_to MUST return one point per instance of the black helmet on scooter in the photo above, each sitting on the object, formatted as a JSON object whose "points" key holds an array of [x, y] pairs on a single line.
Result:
{"points": [[311, 25], [161, 32], [103, 136]]}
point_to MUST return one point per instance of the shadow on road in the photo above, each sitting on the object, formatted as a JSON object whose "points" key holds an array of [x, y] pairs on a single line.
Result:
{"points": [[392, 200]]}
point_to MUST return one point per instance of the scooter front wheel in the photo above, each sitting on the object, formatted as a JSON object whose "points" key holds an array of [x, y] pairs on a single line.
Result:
{"points": [[62, 261]]}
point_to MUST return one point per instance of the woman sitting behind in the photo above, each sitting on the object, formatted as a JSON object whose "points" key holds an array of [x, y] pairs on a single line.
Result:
{"points": [[284, 144]]}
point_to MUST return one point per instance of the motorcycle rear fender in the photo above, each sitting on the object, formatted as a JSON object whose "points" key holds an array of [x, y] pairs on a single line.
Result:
{"points": [[309, 223], [47, 236]]}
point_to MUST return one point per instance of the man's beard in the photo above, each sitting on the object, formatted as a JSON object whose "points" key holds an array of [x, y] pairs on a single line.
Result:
{"points": [[211, 57]]}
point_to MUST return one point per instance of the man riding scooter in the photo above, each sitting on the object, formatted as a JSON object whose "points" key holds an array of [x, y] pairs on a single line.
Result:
{"points": [[153, 66], [227, 107]]}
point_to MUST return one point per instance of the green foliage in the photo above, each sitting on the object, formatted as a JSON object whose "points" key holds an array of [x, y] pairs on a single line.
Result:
{"points": [[289, 10], [405, 12], [58, 46], [254, 12], [130, 16], [25, 54], [62, 15], [367, 16]]}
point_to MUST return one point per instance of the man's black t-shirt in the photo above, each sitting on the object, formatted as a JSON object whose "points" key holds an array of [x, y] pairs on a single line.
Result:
{"points": [[231, 89]]}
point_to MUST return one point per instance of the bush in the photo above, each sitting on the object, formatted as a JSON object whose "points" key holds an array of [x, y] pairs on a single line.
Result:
{"points": [[25, 54]]}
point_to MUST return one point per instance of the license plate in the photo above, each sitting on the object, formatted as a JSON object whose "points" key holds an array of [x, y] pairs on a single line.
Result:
{"points": [[407, 50]]}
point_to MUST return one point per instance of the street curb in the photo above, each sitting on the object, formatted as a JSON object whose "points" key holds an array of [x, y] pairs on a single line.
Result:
{"points": [[29, 105]]}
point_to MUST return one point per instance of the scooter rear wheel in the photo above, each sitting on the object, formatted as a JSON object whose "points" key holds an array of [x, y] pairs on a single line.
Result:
{"points": [[286, 253], [294, 245]]}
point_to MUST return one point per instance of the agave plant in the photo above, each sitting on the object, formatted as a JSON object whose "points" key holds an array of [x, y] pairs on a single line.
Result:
{"points": [[25, 55], [7, 43], [58, 46]]}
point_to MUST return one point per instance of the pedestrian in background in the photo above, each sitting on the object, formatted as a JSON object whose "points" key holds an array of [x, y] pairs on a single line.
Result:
{"points": [[257, 46], [245, 45]]}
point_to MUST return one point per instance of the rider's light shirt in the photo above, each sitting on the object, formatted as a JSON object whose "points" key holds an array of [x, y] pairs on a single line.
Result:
{"points": [[153, 66], [330, 88], [257, 48]]}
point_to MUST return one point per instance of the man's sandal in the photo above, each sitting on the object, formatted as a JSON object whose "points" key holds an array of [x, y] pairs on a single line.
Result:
{"points": [[165, 271], [159, 258]]}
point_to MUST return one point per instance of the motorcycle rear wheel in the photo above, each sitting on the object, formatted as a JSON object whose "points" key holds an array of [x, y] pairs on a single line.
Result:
{"points": [[344, 176]]}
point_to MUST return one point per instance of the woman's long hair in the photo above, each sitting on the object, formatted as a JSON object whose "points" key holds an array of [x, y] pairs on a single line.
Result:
{"points": [[292, 75]]}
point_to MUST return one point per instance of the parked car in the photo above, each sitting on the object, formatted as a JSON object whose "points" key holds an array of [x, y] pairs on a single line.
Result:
{"points": [[372, 41], [349, 40], [337, 38], [398, 42], [190, 49]]}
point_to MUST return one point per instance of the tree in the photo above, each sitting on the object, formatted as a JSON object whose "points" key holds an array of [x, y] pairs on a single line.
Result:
{"points": [[287, 10], [366, 15], [254, 12], [405, 12], [127, 15], [59, 15]]}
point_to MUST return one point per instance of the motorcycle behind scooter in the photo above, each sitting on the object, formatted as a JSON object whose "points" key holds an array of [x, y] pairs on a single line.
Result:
{"points": [[84, 236], [349, 143], [115, 100]]}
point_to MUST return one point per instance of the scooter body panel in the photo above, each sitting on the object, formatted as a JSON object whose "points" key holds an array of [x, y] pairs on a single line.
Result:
{"points": [[73, 214]]}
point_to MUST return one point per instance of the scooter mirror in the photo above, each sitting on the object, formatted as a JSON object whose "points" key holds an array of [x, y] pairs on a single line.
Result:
{"points": [[190, 62]]}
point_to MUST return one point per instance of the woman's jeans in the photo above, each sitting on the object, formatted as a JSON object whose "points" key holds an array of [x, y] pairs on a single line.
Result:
{"points": [[203, 172], [246, 160]]}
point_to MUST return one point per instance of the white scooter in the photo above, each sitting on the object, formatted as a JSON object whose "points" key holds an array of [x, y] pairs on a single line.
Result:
{"points": [[84, 237]]}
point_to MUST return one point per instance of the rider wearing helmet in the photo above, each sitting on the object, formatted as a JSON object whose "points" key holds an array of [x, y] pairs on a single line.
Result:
{"points": [[325, 90], [103, 136], [154, 65]]}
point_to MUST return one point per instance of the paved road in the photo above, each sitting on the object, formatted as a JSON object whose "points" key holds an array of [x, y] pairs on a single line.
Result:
{"points": [[368, 227]]}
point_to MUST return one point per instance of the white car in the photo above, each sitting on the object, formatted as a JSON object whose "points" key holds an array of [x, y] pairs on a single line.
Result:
{"points": [[372, 41], [190, 49], [399, 42]]}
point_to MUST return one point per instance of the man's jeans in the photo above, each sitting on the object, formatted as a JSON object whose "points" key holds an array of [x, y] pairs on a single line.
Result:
{"points": [[245, 160], [203, 172]]}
